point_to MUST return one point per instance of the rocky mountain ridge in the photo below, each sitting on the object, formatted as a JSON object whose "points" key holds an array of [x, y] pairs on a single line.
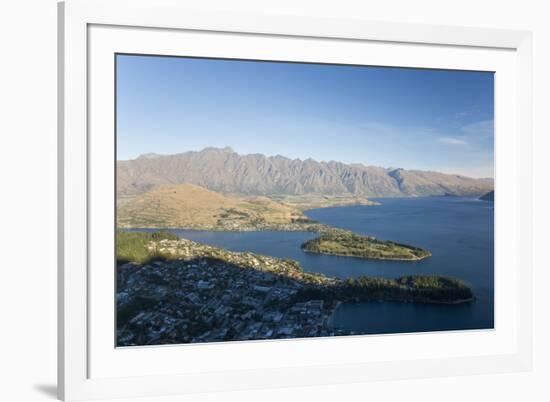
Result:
{"points": [[225, 171]]}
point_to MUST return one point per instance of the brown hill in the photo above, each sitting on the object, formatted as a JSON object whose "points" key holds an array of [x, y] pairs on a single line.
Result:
{"points": [[192, 206]]}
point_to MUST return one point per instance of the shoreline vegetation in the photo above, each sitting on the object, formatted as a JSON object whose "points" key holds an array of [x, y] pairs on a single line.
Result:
{"points": [[349, 244]]}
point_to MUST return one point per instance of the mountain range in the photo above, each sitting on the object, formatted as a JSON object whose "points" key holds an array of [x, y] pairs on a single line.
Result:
{"points": [[225, 171]]}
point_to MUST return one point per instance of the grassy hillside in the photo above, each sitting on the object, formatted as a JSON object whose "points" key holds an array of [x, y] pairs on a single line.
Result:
{"points": [[312, 201], [132, 246], [191, 206]]}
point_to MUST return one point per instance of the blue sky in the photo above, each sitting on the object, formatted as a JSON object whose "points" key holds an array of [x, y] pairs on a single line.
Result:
{"points": [[391, 117]]}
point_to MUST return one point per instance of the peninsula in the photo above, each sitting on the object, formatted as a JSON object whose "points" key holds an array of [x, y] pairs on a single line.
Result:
{"points": [[349, 244]]}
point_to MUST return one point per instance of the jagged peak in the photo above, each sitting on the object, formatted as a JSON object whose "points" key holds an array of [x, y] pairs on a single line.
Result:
{"points": [[149, 155], [223, 170], [226, 149]]}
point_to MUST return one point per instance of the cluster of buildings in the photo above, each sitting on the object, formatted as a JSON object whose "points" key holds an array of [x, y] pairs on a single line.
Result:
{"points": [[207, 294]]}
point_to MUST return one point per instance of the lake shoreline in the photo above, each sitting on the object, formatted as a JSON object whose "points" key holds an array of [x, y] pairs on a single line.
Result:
{"points": [[330, 321], [370, 258]]}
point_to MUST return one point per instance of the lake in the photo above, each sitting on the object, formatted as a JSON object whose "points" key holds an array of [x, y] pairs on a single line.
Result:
{"points": [[457, 231]]}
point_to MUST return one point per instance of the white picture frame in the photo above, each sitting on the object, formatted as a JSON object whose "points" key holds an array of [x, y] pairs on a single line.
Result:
{"points": [[89, 365]]}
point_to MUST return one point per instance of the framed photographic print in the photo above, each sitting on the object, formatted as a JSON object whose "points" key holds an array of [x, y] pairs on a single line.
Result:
{"points": [[252, 201]]}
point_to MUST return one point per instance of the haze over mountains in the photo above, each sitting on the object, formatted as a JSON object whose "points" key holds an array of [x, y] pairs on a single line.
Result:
{"points": [[223, 170]]}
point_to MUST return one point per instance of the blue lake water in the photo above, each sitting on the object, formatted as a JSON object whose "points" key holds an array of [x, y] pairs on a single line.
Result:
{"points": [[458, 231]]}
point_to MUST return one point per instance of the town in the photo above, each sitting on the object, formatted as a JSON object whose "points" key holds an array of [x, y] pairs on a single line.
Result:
{"points": [[204, 299], [188, 292]]}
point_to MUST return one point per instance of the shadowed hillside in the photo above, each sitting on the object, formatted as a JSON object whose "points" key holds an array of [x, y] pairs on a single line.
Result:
{"points": [[490, 196]]}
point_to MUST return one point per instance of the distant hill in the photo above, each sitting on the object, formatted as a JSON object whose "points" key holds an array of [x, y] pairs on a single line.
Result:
{"points": [[225, 171], [191, 206], [490, 196]]}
